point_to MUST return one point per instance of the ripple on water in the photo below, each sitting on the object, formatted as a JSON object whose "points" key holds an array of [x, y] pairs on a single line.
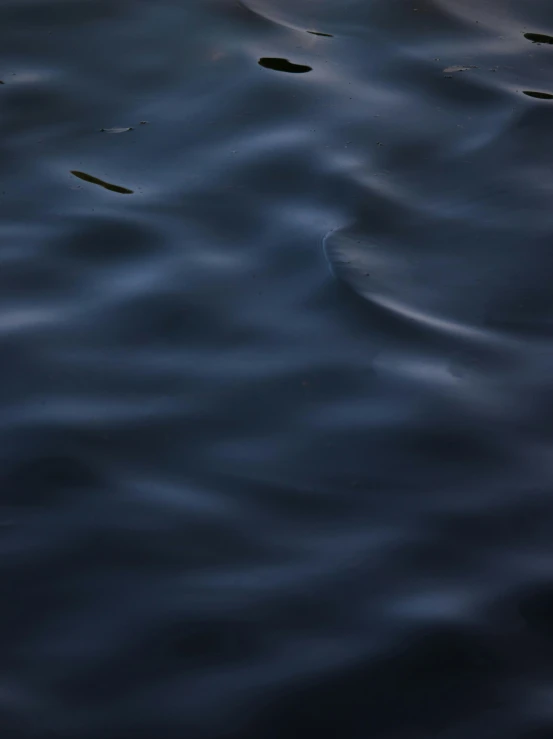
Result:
{"points": [[252, 485]]}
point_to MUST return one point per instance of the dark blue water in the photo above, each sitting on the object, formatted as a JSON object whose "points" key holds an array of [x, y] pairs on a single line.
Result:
{"points": [[276, 330]]}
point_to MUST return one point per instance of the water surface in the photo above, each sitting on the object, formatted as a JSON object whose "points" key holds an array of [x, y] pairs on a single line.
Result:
{"points": [[276, 320]]}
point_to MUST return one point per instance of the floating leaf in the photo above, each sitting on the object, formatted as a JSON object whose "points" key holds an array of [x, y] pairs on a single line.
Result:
{"points": [[318, 33], [539, 38], [539, 95], [102, 183], [283, 65]]}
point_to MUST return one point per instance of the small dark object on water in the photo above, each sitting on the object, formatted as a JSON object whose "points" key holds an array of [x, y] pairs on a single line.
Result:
{"points": [[539, 38], [116, 130], [539, 95], [283, 65], [102, 183], [459, 68], [318, 33]]}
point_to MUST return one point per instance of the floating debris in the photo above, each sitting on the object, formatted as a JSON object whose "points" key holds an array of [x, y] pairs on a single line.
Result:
{"points": [[539, 95], [539, 38], [116, 130], [102, 183], [459, 68], [283, 65], [318, 33]]}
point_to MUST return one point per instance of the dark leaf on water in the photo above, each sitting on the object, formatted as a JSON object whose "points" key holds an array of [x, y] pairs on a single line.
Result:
{"points": [[539, 95], [116, 130], [283, 65], [318, 33], [539, 38], [102, 183]]}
